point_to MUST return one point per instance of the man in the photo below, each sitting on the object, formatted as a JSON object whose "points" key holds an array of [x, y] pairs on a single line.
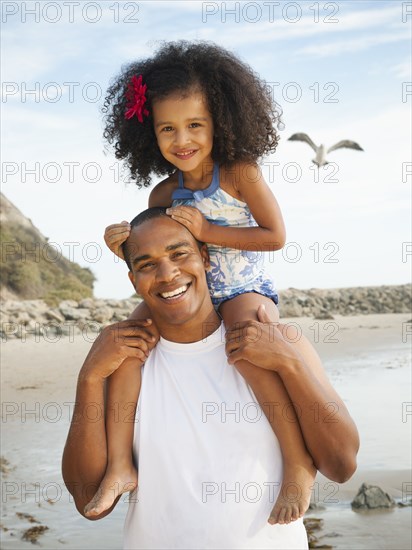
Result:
{"points": [[209, 469]]}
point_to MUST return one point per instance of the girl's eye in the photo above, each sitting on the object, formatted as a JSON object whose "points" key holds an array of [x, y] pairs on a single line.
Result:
{"points": [[167, 129], [195, 124]]}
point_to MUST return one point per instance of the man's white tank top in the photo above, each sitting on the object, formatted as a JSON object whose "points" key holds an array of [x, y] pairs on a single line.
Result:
{"points": [[210, 466]]}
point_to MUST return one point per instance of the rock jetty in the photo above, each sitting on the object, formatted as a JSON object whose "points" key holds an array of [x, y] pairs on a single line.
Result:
{"points": [[324, 303], [19, 319]]}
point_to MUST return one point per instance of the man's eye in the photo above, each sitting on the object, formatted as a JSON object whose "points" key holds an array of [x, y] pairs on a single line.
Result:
{"points": [[179, 254], [146, 266]]}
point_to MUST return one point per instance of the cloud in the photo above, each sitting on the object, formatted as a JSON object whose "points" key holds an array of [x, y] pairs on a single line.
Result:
{"points": [[279, 28], [20, 65], [36, 50], [353, 45], [403, 69]]}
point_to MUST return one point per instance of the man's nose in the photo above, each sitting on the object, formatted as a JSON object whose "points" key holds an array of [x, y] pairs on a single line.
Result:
{"points": [[167, 271]]}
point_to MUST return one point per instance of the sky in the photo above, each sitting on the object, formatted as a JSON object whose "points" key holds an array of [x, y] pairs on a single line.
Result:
{"points": [[339, 70]]}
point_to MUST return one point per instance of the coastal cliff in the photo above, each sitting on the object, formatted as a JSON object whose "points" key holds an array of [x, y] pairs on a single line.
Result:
{"points": [[31, 268]]}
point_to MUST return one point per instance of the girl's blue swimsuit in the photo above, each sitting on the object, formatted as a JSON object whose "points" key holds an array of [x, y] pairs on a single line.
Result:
{"points": [[232, 272]]}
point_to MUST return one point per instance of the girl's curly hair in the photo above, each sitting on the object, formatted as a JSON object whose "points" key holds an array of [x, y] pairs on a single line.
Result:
{"points": [[244, 115]]}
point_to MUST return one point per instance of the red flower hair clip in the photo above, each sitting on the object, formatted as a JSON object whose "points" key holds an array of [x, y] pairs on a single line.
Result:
{"points": [[136, 99]]}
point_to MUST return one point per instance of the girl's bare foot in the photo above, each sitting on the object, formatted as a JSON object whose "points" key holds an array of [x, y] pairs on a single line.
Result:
{"points": [[294, 495], [113, 484]]}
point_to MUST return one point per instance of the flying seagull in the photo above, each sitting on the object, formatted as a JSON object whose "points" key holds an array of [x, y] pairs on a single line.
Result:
{"points": [[321, 151]]}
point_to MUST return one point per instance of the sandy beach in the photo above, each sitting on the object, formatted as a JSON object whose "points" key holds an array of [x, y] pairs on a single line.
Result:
{"points": [[367, 359]]}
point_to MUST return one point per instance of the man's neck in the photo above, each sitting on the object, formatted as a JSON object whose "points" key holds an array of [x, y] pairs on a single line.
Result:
{"points": [[193, 331]]}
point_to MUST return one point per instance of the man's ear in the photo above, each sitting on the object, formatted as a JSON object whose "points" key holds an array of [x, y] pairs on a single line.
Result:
{"points": [[131, 277], [204, 252]]}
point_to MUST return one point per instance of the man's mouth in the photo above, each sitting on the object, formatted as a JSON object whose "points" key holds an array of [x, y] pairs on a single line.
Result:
{"points": [[186, 154], [175, 294]]}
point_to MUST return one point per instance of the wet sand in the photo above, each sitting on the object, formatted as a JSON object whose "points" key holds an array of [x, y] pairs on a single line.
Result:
{"points": [[367, 359]]}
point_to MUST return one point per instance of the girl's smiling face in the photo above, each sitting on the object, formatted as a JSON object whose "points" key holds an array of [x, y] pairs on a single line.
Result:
{"points": [[184, 131]]}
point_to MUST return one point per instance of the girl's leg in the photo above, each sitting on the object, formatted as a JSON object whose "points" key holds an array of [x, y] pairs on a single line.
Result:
{"points": [[298, 469], [123, 389]]}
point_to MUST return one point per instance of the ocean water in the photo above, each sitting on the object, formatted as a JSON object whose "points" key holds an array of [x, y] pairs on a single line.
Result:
{"points": [[375, 384]]}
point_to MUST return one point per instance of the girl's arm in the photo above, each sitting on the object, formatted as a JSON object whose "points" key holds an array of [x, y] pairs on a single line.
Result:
{"points": [[161, 195], [270, 233], [85, 454]]}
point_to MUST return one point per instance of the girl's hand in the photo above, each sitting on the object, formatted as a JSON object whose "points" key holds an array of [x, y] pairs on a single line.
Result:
{"points": [[115, 235], [192, 219], [260, 342], [115, 344]]}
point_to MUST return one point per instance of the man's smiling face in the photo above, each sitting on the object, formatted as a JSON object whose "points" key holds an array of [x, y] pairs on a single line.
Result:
{"points": [[168, 271]]}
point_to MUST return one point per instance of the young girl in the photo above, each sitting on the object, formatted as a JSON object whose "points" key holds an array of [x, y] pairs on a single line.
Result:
{"points": [[197, 113]]}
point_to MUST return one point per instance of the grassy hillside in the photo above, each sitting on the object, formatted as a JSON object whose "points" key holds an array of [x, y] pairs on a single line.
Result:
{"points": [[31, 268]]}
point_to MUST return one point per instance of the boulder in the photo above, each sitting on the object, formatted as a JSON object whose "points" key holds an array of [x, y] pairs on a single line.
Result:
{"points": [[87, 303], [103, 314], [54, 315], [73, 314], [323, 314], [370, 497], [69, 303]]}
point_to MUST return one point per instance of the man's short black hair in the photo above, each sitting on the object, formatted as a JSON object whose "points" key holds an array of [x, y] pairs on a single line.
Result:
{"points": [[148, 214]]}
